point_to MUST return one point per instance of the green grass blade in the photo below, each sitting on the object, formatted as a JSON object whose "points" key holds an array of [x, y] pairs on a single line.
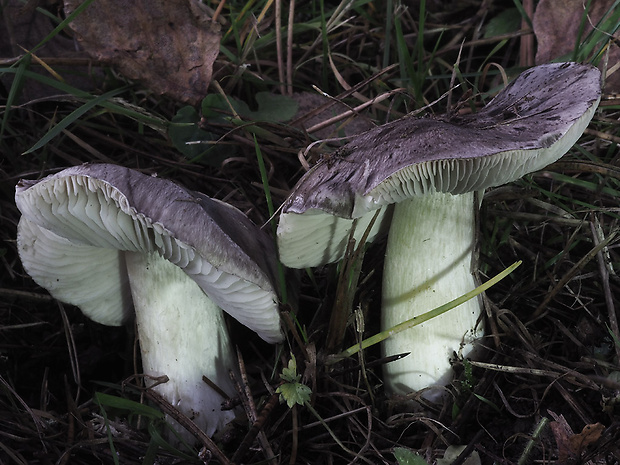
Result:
{"points": [[523, 13], [131, 111], [422, 318], [72, 117], [16, 86], [104, 414], [272, 221], [63, 24]]}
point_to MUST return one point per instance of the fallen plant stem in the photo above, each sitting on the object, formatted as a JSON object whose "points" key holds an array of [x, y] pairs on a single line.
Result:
{"points": [[415, 321], [189, 425], [257, 426], [350, 269], [272, 221], [604, 265], [570, 274], [332, 434], [540, 427]]}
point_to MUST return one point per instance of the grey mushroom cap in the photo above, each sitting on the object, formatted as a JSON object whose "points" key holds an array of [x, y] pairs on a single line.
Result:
{"points": [[105, 210], [528, 125]]}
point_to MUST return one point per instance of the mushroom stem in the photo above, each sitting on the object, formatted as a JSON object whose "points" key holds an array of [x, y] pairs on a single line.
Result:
{"points": [[428, 263], [183, 335]]}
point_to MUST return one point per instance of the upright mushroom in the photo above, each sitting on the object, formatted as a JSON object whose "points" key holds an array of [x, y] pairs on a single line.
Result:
{"points": [[427, 171], [106, 239]]}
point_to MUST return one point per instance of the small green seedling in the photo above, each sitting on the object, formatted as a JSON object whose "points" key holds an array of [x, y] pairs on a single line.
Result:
{"points": [[292, 391], [408, 457]]}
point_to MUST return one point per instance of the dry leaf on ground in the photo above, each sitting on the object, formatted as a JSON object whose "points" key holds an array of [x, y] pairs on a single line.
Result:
{"points": [[570, 445], [556, 25], [170, 45], [22, 28]]}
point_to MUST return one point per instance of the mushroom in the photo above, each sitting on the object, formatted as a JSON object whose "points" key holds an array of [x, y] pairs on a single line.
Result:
{"points": [[419, 177], [106, 239]]}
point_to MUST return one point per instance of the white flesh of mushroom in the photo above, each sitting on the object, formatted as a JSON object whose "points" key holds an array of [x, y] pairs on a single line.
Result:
{"points": [[529, 125], [76, 231], [428, 263], [182, 335]]}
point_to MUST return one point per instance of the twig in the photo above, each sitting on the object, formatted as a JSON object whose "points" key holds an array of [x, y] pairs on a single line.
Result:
{"points": [[33, 296], [597, 235], [295, 433], [257, 426], [247, 399], [289, 48], [278, 27], [570, 274], [189, 425]]}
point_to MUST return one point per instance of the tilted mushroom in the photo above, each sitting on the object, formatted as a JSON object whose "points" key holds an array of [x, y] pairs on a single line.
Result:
{"points": [[427, 170], [106, 239]]}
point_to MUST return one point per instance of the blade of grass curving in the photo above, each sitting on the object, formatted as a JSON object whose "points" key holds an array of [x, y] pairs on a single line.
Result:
{"points": [[404, 58], [413, 70], [325, 48], [523, 13], [422, 66], [599, 37], [595, 187], [150, 455], [124, 109], [415, 321], [16, 86], [24, 62], [237, 23], [388, 32], [582, 25], [108, 429], [606, 29], [64, 23], [250, 39], [131, 406], [73, 117], [272, 221]]}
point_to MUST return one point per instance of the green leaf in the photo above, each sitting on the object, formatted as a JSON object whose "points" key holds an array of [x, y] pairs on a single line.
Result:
{"points": [[217, 109], [73, 117], [184, 128], [506, 22], [452, 452], [119, 403], [274, 108], [408, 457], [294, 393], [271, 108], [289, 374]]}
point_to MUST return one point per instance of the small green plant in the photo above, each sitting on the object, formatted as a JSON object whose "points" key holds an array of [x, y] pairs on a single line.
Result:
{"points": [[292, 391], [408, 457]]}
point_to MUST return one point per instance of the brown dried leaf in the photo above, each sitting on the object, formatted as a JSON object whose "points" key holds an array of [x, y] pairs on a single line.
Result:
{"points": [[589, 435], [170, 45], [22, 27], [556, 25], [562, 433], [570, 445]]}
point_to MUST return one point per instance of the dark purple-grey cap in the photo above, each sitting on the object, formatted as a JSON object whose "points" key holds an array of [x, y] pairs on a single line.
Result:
{"points": [[77, 224], [528, 125]]}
